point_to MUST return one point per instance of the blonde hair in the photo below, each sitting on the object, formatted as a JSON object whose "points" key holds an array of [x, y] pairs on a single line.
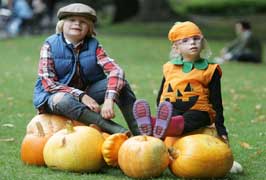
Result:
{"points": [[205, 51], [60, 25]]}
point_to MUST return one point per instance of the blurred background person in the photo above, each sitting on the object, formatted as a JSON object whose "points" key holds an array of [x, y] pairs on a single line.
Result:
{"points": [[21, 11], [246, 47]]}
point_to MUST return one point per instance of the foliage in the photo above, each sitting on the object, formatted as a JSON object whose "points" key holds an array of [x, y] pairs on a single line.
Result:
{"points": [[221, 7]]}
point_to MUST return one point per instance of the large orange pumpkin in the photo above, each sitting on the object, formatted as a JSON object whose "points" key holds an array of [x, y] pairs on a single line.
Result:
{"points": [[170, 141], [32, 146], [75, 149], [200, 156], [143, 157], [111, 146]]}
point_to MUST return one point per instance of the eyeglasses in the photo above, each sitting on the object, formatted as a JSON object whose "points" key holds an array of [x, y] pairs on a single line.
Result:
{"points": [[195, 39]]}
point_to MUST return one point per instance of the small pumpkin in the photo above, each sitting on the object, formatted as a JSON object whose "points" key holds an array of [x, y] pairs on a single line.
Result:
{"points": [[143, 157], [105, 135], [75, 149], [170, 141], [32, 146], [200, 156], [111, 147]]}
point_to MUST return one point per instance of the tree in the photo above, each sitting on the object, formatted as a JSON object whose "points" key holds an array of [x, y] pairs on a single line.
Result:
{"points": [[143, 10]]}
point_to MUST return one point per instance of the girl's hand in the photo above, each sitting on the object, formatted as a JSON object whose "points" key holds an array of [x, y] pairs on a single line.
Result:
{"points": [[225, 139], [91, 103], [107, 111]]}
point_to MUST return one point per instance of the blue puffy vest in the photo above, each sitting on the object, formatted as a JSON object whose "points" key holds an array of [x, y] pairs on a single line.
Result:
{"points": [[65, 62]]}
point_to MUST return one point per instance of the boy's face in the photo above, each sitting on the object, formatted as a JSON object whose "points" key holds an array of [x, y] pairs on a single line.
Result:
{"points": [[76, 28], [190, 48]]}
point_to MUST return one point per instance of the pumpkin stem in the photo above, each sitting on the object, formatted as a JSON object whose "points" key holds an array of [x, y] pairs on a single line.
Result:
{"points": [[145, 138], [69, 126], [40, 129], [173, 153], [63, 142]]}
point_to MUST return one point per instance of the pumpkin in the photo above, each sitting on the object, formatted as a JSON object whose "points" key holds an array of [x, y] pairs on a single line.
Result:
{"points": [[170, 141], [75, 149], [50, 124], [32, 146], [105, 135], [111, 147], [200, 156], [210, 130], [143, 157]]}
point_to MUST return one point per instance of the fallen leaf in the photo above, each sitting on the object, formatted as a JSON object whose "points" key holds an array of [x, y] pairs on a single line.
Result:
{"points": [[258, 107], [7, 139], [8, 125], [246, 145], [257, 153]]}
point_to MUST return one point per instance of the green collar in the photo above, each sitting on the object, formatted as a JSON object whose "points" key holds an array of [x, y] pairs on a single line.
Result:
{"points": [[200, 64]]}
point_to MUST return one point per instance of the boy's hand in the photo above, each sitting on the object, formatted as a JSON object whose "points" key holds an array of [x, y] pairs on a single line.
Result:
{"points": [[91, 103], [107, 111]]}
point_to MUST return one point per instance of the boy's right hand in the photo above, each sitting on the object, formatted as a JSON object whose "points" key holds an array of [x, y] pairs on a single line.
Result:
{"points": [[91, 103]]}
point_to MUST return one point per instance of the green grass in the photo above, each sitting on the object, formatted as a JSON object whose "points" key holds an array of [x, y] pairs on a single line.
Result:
{"points": [[243, 87]]}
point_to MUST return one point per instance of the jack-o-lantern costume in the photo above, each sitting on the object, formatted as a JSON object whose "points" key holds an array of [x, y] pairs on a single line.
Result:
{"points": [[195, 93], [190, 94]]}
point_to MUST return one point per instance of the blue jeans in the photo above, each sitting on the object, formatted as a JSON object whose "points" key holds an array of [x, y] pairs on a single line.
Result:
{"points": [[70, 107]]}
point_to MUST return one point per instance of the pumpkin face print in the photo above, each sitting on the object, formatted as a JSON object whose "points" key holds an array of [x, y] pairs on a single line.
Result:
{"points": [[183, 99]]}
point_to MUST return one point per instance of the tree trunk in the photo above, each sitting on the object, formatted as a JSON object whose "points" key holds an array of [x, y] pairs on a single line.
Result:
{"points": [[155, 10], [125, 9]]}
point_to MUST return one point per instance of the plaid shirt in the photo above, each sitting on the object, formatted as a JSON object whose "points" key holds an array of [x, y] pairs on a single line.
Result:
{"points": [[116, 77]]}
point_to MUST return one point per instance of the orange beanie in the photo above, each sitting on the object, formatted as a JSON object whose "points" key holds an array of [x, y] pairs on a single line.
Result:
{"points": [[183, 30]]}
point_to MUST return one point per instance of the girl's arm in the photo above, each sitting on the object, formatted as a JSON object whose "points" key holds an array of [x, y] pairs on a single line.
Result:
{"points": [[216, 101], [160, 92]]}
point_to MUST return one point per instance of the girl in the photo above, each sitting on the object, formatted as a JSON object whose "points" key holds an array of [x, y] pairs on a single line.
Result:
{"points": [[72, 73], [190, 94]]}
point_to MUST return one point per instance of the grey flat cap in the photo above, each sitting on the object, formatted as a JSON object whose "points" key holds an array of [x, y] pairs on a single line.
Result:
{"points": [[77, 9]]}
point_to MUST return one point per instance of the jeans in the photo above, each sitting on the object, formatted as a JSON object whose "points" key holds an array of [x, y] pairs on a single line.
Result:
{"points": [[70, 107]]}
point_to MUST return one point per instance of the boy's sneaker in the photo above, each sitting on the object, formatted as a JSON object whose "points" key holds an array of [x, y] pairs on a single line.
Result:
{"points": [[142, 114]]}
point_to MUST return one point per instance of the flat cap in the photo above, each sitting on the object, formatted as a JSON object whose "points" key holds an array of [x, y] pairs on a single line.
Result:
{"points": [[77, 9]]}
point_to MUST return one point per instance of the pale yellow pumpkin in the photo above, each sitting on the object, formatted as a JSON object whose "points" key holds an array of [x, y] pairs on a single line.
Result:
{"points": [[200, 156], [75, 149], [143, 157], [50, 124], [111, 147]]}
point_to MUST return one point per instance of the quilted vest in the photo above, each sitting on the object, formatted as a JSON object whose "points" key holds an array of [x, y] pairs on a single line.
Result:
{"points": [[65, 62]]}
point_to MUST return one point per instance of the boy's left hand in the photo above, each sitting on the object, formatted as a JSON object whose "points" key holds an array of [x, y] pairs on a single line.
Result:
{"points": [[107, 111]]}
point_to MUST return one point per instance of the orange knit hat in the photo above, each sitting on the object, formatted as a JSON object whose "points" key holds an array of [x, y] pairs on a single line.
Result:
{"points": [[183, 30]]}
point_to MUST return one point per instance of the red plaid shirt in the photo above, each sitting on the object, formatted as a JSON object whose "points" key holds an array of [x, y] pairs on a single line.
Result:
{"points": [[116, 77]]}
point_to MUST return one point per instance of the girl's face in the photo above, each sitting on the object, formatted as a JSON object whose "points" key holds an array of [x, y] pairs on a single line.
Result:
{"points": [[75, 28], [190, 48]]}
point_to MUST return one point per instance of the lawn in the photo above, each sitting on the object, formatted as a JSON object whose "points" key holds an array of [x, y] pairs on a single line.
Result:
{"points": [[243, 89]]}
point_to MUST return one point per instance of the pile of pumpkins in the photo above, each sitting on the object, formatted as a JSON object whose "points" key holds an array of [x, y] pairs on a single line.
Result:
{"points": [[53, 141]]}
